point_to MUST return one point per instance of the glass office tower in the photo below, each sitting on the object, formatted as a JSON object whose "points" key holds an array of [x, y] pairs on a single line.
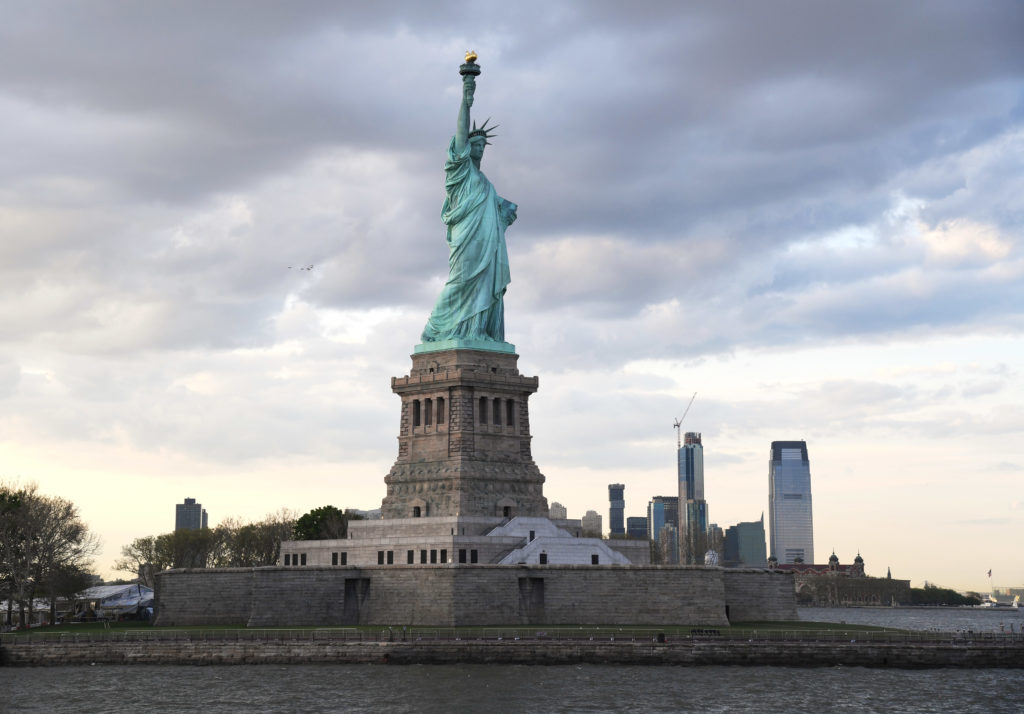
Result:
{"points": [[662, 511], [190, 515], [744, 545], [789, 502], [636, 527], [693, 509], [616, 509]]}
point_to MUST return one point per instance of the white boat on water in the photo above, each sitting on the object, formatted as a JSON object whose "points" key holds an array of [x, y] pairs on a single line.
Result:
{"points": [[993, 603]]}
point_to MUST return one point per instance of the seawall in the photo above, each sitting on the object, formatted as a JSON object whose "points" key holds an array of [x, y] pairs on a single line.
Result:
{"points": [[683, 653], [454, 595]]}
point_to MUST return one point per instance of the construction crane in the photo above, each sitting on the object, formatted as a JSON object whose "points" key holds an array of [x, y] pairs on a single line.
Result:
{"points": [[679, 422]]}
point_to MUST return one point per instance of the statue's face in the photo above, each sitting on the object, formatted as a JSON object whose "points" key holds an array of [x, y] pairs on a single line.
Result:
{"points": [[476, 147]]}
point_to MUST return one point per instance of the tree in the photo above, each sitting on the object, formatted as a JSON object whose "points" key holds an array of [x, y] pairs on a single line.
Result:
{"points": [[66, 582], [141, 559], [230, 544], [935, 595], [11, 548], [324, 523], [43, 540], [256, 544]]}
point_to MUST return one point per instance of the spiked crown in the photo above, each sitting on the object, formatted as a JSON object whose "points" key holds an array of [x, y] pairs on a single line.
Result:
{"points": [[483, 130]]}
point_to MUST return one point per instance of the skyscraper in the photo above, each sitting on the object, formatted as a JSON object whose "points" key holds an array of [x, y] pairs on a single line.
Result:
{"points": [[557, 512], [591, 524], [662, 511], [789, 502], [616, 509], [663, 524], [744, 545], [189, 515], [693, 509], [636, 527]]}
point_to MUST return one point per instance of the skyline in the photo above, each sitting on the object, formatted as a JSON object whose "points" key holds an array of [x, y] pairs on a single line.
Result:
{"points": [[812, 216]]}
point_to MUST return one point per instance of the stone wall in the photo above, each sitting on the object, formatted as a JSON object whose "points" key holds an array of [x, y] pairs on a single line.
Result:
{"points": [[1006, 654], [220, 596], [756, 595], [638, 552], [442, 595]]}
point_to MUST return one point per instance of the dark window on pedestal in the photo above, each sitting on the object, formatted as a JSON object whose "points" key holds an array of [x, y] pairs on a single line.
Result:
{"points": [[391, 557], [428, 412], [497, 412], [423, 556], [472, 556], [433, 556], [344, 558], [506, 512], [510, 412], [440, 410], [415, 412], [532, 535], [462, 555], [380, 557], [444, 555], [594, 559], [303, 559], [483, 410], [415, 511], [543, 558], [410, 557], [334, 558], [287, 559]]}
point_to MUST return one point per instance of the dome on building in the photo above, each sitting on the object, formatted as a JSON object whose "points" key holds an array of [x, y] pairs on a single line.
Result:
{"points": [[858, 559], [833, 558]]}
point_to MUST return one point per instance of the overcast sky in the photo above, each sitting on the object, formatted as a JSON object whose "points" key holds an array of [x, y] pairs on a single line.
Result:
{"points": [[810, 214]]}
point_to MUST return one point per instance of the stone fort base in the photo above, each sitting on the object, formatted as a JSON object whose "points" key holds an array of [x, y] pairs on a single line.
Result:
{"points": [[449, 595]]}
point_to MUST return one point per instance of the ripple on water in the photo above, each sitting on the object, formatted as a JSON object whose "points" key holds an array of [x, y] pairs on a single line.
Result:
{"points": [[505, 688]]}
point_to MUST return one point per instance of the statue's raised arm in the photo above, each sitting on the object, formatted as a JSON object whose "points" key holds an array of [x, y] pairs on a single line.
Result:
{"points": [[470, 312], [462, 127]]}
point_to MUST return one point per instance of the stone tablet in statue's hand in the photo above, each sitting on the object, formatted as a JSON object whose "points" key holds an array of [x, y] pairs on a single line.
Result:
{"points": [[508, 212]]}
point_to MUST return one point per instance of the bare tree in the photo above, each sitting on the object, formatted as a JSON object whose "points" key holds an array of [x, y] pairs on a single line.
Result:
{"points": [[230, 544], [142, 559]]}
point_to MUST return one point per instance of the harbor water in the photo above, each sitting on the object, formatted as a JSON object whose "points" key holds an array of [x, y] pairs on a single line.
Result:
{"points": [[518, 688]]}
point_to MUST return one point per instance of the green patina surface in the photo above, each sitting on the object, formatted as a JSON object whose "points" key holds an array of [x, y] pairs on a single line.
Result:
{"points": [[470, 311], [465, 343]]}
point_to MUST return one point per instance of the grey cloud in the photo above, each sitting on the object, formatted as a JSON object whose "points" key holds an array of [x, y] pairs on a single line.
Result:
{"points": [[1007, 467], [983, 388], [677, 151], [10, 375]]}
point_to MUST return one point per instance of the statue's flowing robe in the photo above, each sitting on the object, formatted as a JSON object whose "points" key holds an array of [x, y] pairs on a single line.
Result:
{"points": [[471, 302]]}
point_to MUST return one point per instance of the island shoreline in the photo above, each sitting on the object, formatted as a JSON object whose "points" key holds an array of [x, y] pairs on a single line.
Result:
{"points": [[903, 655]]}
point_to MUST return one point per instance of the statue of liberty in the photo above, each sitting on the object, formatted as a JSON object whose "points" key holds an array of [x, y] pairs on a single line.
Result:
{"points": [[470, 311]]}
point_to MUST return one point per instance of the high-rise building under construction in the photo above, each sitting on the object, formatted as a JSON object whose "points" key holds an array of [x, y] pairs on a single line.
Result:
{"points": [[693, 509]]}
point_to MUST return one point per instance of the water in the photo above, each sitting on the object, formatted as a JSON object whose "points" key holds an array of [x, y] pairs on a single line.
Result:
{"points": [[500, 688], [921, 618], [512, 688]]}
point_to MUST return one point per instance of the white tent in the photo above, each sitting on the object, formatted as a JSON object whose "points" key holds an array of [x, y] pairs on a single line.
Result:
{"points": [[111, 601]]}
